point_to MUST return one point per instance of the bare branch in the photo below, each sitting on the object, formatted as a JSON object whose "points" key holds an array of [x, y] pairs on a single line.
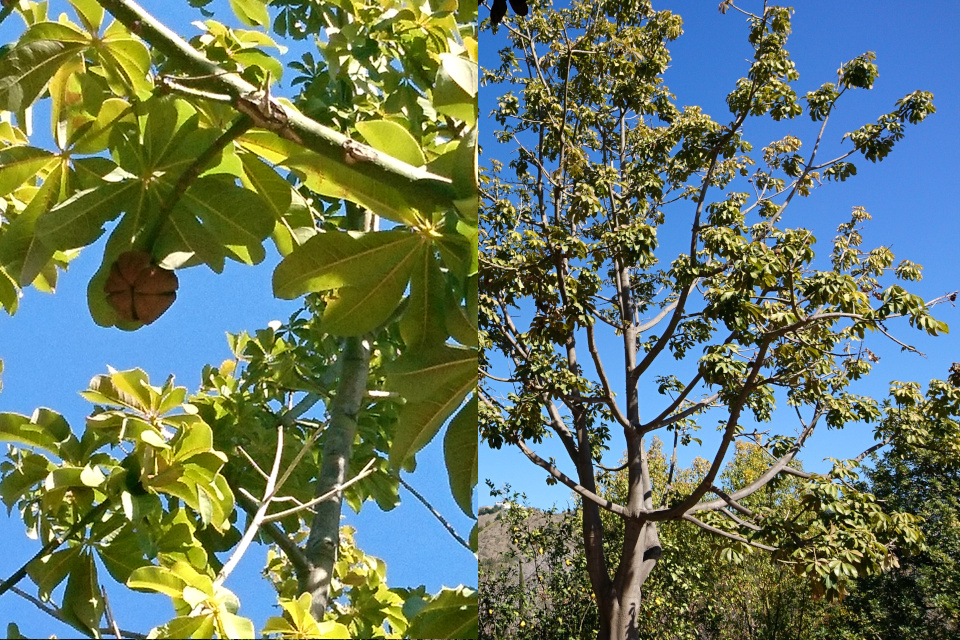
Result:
{"points": [[731, 536], [559, 475], [436, 514]]}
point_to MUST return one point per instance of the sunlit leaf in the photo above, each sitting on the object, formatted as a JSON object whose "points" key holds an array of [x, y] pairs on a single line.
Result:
{"points": [[26, 70], [392, 139], [460, 452]]}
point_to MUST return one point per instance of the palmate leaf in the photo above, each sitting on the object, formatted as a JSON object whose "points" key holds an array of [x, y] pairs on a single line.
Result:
{"points": [[9, 293], [460, 450], [126, 58], [452, 613], [252, 13], [234, 216], [370, 271], [393, 139], [422, 320], [22, 253], [18, 165], [26, 70], [433, 382], [78, 221], [455, 90], [50, 570], [82, 600]]}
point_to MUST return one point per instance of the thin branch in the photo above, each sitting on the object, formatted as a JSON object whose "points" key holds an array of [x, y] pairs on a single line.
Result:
{"points": [[111, 621], [240, 125], [257, 518], [583, 491], [416, 183], [290, 549], [54, 612], [51, 546], [731, 502], [436, 514], [725, 534], [308, 505], [253, 463], [604, 381]]}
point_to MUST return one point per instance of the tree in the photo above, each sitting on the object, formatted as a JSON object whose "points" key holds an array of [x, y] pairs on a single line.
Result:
{"points": [[921, 597], [365, 181], [603, 167]]}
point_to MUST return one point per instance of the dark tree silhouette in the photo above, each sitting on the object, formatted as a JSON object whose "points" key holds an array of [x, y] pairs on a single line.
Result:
{"points": [[499, 9]]}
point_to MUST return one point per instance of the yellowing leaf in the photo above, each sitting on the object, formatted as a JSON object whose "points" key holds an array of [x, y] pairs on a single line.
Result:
{"points": [[393, 139]]}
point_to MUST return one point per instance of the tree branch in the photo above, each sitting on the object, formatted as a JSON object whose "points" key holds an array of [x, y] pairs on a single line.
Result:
{"points": [[416, 183], [559, 475], [324, 540], [725, 534], [436, 514]]}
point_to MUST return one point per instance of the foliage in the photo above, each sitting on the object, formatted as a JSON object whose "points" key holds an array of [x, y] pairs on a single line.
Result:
{"points": [[607, 176], [921, 597], [365, 181], [703, 589], [532, 578]]}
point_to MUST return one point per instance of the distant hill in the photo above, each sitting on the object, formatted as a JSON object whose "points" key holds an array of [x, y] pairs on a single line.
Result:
{"points": [[496, 549]]}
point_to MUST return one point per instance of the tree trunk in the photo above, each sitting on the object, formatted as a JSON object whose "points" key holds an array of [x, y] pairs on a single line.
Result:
{"points": [[619, 599]]}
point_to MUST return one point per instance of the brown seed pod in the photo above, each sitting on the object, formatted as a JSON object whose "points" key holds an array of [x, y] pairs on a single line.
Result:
{"points": [[139, 290]]}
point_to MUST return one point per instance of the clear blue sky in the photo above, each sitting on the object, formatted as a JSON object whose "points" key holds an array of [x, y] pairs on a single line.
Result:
{"points": [[51, 349], [911, 194]]}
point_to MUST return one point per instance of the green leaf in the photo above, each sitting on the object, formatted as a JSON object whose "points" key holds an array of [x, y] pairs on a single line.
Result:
{"points": [[235, 216], [434, 384], [275, 192], [450, 614], [90, 12], [393, 139], [59, 31], [46, 430], [21, 164], [331, 260], [183, 237], [30, 472], [252, 13], [354, 311], [50, 570], [455, 89], [127, 58], [9, 294], [466, 172], [78, 221], [201, 626], [96, 138], [26, 70], [461, 319], [460, 455], [422, 320], [122, 554], [82, 600], [159, 579], [235, 626]]}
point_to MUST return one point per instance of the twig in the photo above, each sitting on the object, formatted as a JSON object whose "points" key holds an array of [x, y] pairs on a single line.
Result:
{"points": [[240, 126], [308, 505], [109, 613], [436, 514], [257, 518], [20, 573]]}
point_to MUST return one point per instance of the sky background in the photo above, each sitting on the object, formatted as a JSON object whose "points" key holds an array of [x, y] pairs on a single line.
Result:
{"points": [[911, 194], [52, 348]]}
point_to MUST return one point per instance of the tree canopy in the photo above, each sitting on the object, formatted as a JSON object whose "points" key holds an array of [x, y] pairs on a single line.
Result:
{"points": [[186, 155], [668, 242]]}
